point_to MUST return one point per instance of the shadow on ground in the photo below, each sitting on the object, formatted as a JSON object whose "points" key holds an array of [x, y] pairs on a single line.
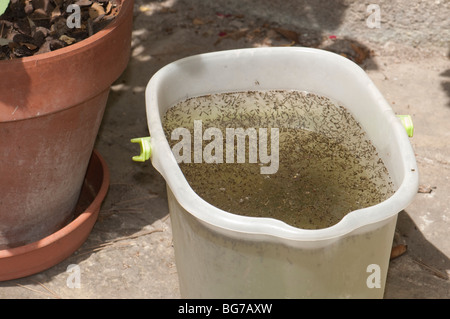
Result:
{"points": [[421, 272], [425, 254]]}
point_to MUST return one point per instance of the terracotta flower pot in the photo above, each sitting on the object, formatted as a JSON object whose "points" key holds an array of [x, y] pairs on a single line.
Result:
{"points": [[51, 107], [44, 253]]}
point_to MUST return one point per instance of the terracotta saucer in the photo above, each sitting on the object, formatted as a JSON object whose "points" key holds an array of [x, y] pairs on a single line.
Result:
{"points": [[40, 255]]}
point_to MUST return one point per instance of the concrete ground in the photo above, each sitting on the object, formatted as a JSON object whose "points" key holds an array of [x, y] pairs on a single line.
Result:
{"points": [[129, 253]]}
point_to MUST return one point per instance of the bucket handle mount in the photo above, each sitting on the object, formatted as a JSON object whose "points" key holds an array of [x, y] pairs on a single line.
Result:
{"points": [[146, 148]]}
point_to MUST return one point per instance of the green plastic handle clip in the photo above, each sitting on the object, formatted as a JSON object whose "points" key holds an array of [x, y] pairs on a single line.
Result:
{"points": [[146, 148], [407, 124]]}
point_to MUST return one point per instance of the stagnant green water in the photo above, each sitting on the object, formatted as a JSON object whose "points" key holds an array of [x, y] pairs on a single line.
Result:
{"points": [[327, 166]]}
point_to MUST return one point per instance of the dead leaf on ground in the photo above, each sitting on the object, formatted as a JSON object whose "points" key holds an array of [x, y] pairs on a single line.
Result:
{"points": [[398, 250], [235, 35], [197, 21], [288, 34], [361, 53], [425, 189]]}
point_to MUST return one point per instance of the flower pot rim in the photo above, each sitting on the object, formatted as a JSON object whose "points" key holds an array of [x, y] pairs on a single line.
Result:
{"points": [[45, 83], [86, 43], [12, 259]]}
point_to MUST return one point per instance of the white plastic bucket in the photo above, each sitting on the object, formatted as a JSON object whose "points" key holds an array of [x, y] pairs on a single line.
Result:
{"points": [[223, 255]]}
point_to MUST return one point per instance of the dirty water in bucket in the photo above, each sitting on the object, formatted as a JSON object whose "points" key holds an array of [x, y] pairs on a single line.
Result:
{"points": [[325, 166]]}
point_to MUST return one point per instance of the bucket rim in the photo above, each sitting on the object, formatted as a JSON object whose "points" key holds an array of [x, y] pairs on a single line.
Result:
{"points": [[164, 161]]}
